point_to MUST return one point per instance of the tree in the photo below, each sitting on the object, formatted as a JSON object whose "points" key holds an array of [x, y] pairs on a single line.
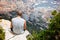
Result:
{"points": [[54, 12], [55, 25]]}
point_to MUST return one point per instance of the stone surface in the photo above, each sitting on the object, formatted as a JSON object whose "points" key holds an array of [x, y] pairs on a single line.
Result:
{"points": [[8, 35]]}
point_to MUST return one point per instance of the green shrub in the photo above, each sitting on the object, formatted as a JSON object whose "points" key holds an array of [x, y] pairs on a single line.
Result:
{"points": [[2, 34], [53, 31]]}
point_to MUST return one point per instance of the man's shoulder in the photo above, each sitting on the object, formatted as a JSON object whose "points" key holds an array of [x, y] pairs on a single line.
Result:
{"points": [[13, 18], [23, 19], [20, 18]]}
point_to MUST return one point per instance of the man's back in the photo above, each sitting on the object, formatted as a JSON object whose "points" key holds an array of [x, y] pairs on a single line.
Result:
{"points": [[18, 25]]}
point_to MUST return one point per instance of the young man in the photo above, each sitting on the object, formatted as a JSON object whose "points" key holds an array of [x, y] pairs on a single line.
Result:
{"points": [[18, 24]]}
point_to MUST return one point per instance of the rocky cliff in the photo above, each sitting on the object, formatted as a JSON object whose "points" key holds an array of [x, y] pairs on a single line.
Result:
{"points": [[33, 12]]}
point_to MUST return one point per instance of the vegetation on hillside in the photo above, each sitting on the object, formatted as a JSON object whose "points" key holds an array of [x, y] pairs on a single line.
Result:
{"points": [[2, 34], [53, 31]]}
